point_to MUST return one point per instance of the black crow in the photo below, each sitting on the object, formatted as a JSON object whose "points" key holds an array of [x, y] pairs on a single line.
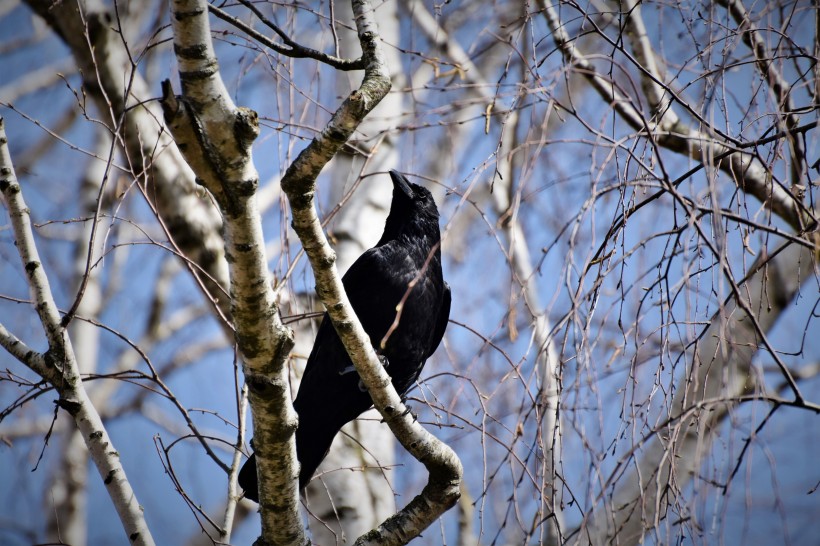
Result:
{"points": [[331, 393]]}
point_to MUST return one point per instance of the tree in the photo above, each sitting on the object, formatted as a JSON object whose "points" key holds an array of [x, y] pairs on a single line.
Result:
{"points": [[630, 231]]}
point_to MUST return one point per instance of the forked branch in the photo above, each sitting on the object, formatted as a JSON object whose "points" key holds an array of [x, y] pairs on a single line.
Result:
{"points": [[443, 487], [215, 137]]}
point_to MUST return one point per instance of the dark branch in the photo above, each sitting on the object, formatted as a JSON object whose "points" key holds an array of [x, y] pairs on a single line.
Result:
{"points": [[293, 49]]}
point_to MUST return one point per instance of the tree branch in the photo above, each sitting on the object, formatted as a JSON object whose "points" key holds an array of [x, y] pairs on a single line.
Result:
{"points": [[547, 364], [61, 368], [442, 489], [666, 127], [781, 89], [721, 368], [19, 350], [90, 30], [293, 49]]}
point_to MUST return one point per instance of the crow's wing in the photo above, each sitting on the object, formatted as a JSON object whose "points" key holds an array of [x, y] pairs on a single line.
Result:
{"points": [[441, 322], [370, 287], [330, 395]]}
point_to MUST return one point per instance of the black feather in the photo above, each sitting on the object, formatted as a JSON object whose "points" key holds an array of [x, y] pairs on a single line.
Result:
{"points": [[330, 395]]}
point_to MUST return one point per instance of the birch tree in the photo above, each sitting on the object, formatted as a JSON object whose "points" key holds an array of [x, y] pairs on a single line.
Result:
{"points": [[629, 218]]}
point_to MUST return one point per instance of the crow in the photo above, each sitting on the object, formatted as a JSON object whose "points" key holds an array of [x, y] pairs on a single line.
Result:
{"points": [[406, 262]]}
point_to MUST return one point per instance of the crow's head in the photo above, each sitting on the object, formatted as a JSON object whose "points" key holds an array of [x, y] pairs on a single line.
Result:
{"points": [[412, 209], [411, 199]]}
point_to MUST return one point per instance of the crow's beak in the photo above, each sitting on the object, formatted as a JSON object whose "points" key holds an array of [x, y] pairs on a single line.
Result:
{"points": [[402, 184]]}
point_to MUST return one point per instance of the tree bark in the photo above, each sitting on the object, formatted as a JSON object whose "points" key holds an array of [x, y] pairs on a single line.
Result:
{"points": [[88, 28], [216, 137], [351, 503], [68, 517], [59, 364], [442, 490]]}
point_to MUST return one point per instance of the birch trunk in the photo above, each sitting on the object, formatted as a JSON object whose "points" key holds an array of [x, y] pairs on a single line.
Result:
{"points": [[59, 365]]}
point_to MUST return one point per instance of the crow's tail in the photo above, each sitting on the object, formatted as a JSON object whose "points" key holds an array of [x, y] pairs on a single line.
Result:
{"points": [[311, 448], [313, 439]]}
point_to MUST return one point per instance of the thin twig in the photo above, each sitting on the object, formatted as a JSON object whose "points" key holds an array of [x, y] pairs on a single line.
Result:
{"points": [[293, 50]]}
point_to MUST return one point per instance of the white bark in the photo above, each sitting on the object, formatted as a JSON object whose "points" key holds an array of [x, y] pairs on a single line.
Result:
{"points": [[442, 489], [122, 96], [60, 363], [216, 139], [547, 364], [68, 518], [350, 503]]}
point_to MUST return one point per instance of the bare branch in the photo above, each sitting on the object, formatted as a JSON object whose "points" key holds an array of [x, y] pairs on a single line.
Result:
{"points": [[442, 489], [233, 493], [780, 88], [19, 350], [93, 34], [721, 368], [669, 131], [507, 202], [62, 369], [293, 49]]}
